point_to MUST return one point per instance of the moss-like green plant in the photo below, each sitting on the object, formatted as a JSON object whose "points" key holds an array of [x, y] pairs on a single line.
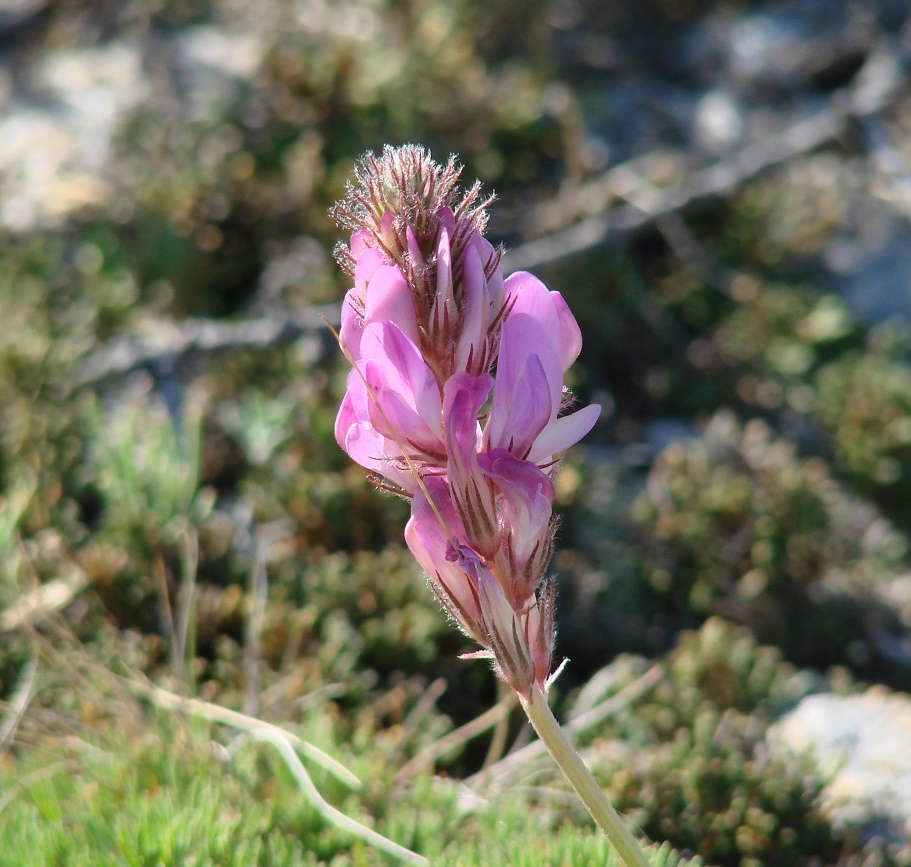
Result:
{"points": [[740, 526], [865, 402], [774, 340], [688, 757]]}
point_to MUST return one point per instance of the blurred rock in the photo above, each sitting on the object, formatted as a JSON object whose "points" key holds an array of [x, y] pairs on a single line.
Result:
{"points": [[15, 14], [215, 63], [718, 124], [54, 148], [872, 267], [863, 743]]}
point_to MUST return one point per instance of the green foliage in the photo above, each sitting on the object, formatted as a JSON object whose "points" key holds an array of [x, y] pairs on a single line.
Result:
{"points": [[865, 401], [776, 338], [688, 758], [145, 466], [740, 526], [143, 787]]}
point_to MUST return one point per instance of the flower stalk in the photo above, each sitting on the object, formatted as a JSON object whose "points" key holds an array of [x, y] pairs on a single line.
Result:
{"points": [[456, 403], [581, 779]]}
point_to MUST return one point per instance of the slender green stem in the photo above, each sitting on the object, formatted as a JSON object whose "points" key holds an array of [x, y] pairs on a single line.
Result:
{"points": [[581, 779]]}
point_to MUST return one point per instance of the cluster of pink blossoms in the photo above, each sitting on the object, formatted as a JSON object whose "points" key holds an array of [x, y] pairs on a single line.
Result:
{"points": [[456, 397]]}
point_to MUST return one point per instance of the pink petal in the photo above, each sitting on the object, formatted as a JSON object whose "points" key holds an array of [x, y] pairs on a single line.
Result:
{"points": [[389, 299], [564, 432], [464, 395], [367, 263], [445, 310], [407, 407], [363, 443], [528, 495], [474, 309], [431, 534], [529, 330], [570, 339], [352, 326], [359, 242], [521, 405], [414, 249], [387, 231], [495, 286]]}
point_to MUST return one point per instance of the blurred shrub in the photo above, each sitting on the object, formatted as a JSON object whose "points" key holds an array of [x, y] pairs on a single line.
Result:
{"points": [[791, 214], [691, 763], [739, 525], [865, 402], [774, 340], [230, 175]]}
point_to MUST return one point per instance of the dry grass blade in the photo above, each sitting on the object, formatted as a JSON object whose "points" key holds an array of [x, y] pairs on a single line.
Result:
{"points": [[257, 591], [277, 739], [19, 701], [286, 744], [457, 738], [251, 725], [43, 600]]}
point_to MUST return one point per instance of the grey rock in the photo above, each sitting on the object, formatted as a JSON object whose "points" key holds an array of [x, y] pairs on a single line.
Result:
{"points": [[862, 744]]}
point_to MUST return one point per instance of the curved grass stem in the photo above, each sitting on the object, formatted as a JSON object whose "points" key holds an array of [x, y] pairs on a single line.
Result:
{"points": [[581, 779]]}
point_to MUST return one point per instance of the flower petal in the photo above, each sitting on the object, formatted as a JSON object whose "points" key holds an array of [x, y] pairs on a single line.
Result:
{"points": [[364, 444], [475, 309], [352, 329], [521, 406], [528, 495], [406, 400], [430, 534], [563, 432], [389, 299], [368, 261], [464, 395]]}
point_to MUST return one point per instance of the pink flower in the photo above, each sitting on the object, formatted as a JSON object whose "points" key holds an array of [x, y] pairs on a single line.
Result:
{"points": [[472, 493], [392, 408], [456, 400]]}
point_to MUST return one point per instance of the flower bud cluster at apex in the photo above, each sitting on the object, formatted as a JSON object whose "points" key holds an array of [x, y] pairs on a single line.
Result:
{"points": [[455, 399]]}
